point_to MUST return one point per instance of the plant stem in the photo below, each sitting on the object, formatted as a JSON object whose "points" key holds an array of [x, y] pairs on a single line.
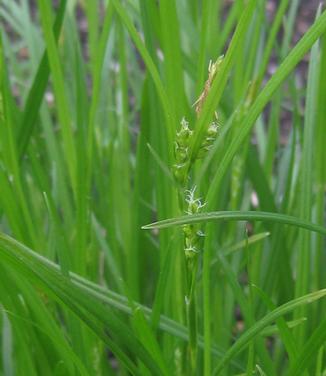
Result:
{"points": [[191, 307]]}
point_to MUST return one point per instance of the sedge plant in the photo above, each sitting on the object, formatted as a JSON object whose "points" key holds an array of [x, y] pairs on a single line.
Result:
{"points": [[156, 218]]}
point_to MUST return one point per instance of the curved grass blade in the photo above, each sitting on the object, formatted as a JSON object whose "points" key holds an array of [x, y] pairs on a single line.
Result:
{"points": [[237, 216], [275, 330], [248, 316], [220, 81], [297, 53], [169, 114], [282, 326], [253, 239], [309, 351], [42, 320], [37, 90], [15, 251], [85, 168], [87, 306], [245, 339], [63, 108], [227, 251], [173, 65]]}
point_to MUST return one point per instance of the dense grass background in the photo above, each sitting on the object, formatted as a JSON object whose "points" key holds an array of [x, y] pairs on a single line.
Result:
{"points": [[92, 96]]}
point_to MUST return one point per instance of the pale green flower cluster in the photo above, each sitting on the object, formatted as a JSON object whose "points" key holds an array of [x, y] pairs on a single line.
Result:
{"points": [[192, 233], [182, 149], [209, 140], [181, 152]]}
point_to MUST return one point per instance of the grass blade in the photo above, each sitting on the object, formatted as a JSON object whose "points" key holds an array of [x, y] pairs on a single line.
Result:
{"points": [[237, 216], [243, 341], [36, 93]]}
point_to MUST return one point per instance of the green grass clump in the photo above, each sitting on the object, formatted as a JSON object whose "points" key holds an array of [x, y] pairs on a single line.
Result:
{"points": [[157, 218]]}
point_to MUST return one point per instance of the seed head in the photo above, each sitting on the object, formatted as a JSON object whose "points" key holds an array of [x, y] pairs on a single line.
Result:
{"points": [[184, 134], [192, 234], [191, 252], [209, 140], [181, 152]]}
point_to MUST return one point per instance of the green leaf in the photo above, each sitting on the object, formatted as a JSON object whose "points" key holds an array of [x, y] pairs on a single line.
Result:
{"points": [[296, 54], [88, 307], [220, 81], [309, 351], [237, 216], [169, 114], [63, 108], [244, 340], [304, 259], [37, 90]]}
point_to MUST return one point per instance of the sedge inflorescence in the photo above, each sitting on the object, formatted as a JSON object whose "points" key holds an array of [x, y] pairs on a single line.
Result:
{"points": [[183, 140], [183, 161], [192, 234], [188, 202], [181, 153]]}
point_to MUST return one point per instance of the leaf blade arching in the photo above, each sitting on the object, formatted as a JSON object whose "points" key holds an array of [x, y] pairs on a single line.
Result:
{"points": [[86, 306], [37, 90], [297, 53], [16, 253], [241, 343], [237, 216]]}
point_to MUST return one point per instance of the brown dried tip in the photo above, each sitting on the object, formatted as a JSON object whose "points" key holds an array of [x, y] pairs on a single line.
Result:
{"points": [[213, 69]]}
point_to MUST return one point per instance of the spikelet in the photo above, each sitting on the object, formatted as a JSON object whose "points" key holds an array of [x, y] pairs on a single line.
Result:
{"points": [[181, 152], [209, 140], [192, 234]]}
